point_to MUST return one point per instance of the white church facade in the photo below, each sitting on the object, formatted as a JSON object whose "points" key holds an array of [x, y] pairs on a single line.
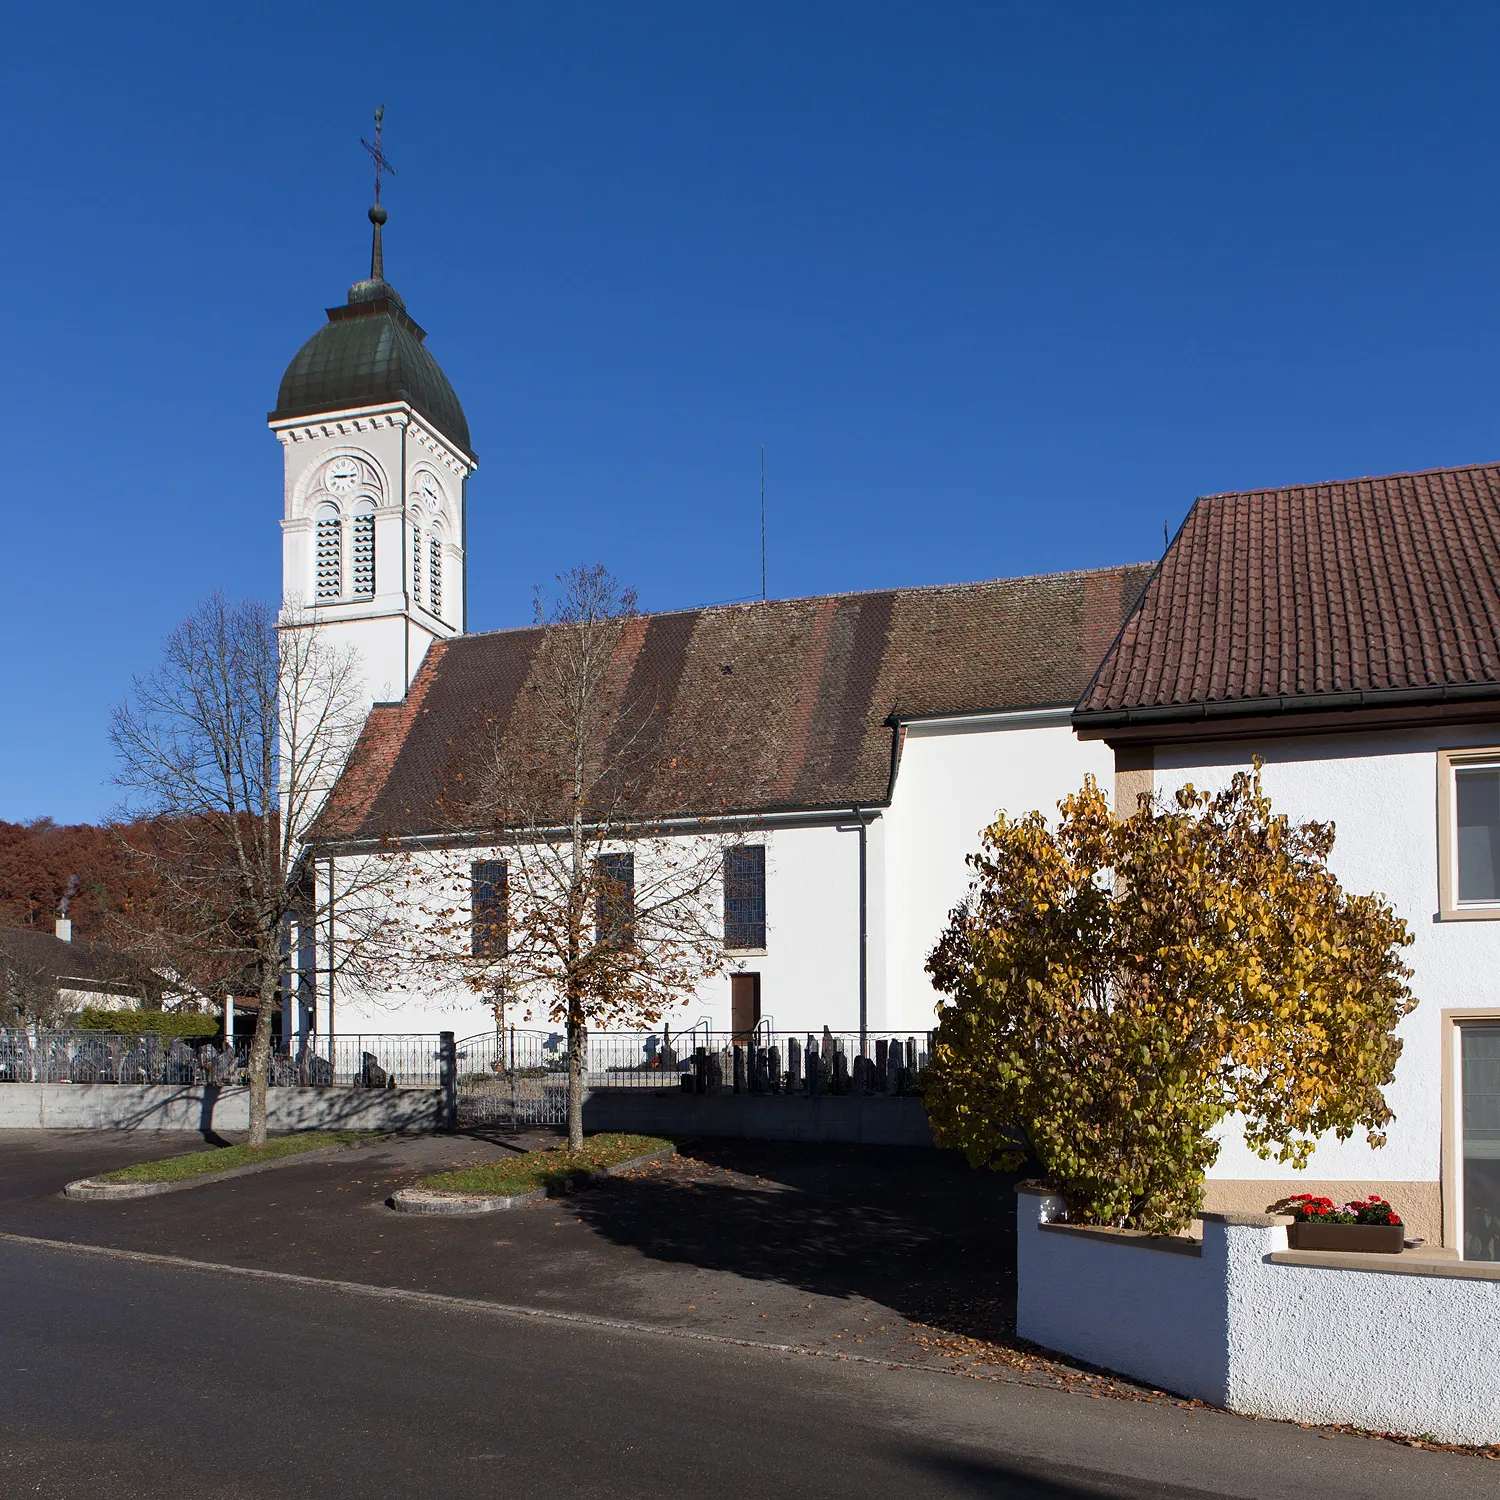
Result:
{"points": [[863, 740]]}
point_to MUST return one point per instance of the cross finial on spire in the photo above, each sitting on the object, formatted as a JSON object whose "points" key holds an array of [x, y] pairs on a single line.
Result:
{"points": [[381, 164], [377, 213]]}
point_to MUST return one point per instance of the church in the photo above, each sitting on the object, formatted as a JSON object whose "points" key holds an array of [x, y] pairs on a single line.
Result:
{"points": [[1346, 633], [863, 739]]}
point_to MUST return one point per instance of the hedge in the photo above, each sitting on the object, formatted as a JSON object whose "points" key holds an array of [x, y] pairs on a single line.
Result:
{"points": [[139, 1022]]}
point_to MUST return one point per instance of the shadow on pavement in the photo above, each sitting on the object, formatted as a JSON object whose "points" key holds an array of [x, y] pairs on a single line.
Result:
{"points": [[916, 1230], [978, 1476]]}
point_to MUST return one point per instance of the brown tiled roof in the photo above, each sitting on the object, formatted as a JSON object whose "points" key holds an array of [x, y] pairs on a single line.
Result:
{"points": [[757, 708], [1353, 594]]}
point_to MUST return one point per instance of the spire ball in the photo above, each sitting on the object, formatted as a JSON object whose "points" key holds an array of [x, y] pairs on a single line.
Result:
{"points": [[378, 214]]}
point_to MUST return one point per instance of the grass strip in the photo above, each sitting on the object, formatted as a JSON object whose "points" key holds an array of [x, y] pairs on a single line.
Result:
{"points": [[539, 1169], [222, 1158]]}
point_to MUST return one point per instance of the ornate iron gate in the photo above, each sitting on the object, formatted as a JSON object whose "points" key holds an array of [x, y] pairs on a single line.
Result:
{"points": [[512, 1079]]}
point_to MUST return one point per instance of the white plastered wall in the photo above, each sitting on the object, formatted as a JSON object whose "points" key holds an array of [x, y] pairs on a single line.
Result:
{"points": [[1380, 791], [809, 969], [954, 776]]}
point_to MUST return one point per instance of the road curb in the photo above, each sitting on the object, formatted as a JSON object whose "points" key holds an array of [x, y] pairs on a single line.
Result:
{"points": [[97, 1190], [436, 1201]]}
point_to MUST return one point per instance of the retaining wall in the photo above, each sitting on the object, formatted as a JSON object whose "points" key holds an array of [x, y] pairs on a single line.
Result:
{"points": [[1405, 1344], [872, 1121], [123, 1106]]}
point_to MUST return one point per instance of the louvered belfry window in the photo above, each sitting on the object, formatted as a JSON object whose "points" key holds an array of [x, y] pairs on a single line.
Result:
{"points": [[416, 560], [364, 555], [435, 572], [330, 555]]}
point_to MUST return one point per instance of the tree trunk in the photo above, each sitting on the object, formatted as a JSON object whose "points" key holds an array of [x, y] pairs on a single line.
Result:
{"points": [[577, 1041], [260, 1051]]}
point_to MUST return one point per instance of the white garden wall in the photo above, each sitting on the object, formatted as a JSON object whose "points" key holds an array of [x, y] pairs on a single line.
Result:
{"points": [[1243, 1323]]}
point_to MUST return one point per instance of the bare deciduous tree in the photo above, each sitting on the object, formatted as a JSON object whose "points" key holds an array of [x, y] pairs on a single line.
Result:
{"points": [[609, 911], [230, 747]]}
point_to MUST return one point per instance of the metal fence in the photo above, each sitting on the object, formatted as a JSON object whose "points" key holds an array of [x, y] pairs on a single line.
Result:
{"points": [[521, 1077], [515, 1077], [361, 1061]]}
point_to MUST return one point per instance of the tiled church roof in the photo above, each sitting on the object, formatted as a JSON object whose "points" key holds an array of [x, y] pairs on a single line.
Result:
{"points": [[1351, 594], [757, 708]]}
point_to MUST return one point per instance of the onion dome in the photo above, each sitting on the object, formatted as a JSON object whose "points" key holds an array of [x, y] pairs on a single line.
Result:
{"points": [[369, 353]]}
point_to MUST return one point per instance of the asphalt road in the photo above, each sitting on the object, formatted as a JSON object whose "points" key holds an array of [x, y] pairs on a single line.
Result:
{"points": [[124, 1371], [125, 1379]]}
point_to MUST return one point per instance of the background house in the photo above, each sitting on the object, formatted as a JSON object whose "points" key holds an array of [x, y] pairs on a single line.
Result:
{"points": [[49, 976]]}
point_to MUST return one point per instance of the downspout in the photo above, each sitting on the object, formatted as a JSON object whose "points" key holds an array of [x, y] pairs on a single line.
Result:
{"points": [[860, 827], [864, 948], [411, 603], [330, 950]]}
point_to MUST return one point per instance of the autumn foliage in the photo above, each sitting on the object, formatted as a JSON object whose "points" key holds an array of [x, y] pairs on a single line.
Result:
{"points": [[1117, 987]]}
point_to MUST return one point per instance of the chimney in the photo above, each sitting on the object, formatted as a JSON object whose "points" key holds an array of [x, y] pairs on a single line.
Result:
{"points": [[64, 927]]}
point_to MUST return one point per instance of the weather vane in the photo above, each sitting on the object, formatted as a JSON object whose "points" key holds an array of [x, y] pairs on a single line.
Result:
{"points": [[381, 164]]}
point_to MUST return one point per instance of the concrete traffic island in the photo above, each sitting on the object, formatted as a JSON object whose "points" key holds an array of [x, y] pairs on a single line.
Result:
{"points": [[442, 1201], [113, 1190]]}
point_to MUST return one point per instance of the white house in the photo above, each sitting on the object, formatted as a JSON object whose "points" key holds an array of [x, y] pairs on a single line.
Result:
{"points": [[1349, 634]]}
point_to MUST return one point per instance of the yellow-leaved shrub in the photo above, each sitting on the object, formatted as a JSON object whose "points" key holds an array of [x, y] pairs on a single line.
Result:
{"points": [[1118, 986]]}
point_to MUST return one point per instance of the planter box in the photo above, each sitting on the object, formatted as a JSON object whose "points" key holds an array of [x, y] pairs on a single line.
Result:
{"points": [[1377, 1239]]}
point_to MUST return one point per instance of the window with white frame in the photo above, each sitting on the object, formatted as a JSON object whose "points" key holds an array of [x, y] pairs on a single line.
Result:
{"points": [[330, 553], [1480, 1103], [364, 550], [1476, 809], [1469, 833]]}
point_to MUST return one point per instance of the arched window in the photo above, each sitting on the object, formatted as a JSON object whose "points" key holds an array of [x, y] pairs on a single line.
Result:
{"points": [[330, 553], [364, 550], [416, 557], [435, 570]]}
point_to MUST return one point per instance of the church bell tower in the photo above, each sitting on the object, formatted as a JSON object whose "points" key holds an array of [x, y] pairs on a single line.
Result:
{"points": [[377, 457]]}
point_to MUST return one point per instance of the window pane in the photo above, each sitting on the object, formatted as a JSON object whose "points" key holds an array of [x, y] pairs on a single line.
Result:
{"points": [[490, 896], [1478, 800], [745, 896], [1481, 1069], [614, 901]]}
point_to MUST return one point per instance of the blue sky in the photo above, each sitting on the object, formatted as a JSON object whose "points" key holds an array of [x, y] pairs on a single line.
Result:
{"points": [[1000, 287]]}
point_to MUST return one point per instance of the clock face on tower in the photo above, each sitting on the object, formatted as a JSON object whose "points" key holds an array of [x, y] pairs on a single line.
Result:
{"points": [[427, 488], [343, 475]]}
